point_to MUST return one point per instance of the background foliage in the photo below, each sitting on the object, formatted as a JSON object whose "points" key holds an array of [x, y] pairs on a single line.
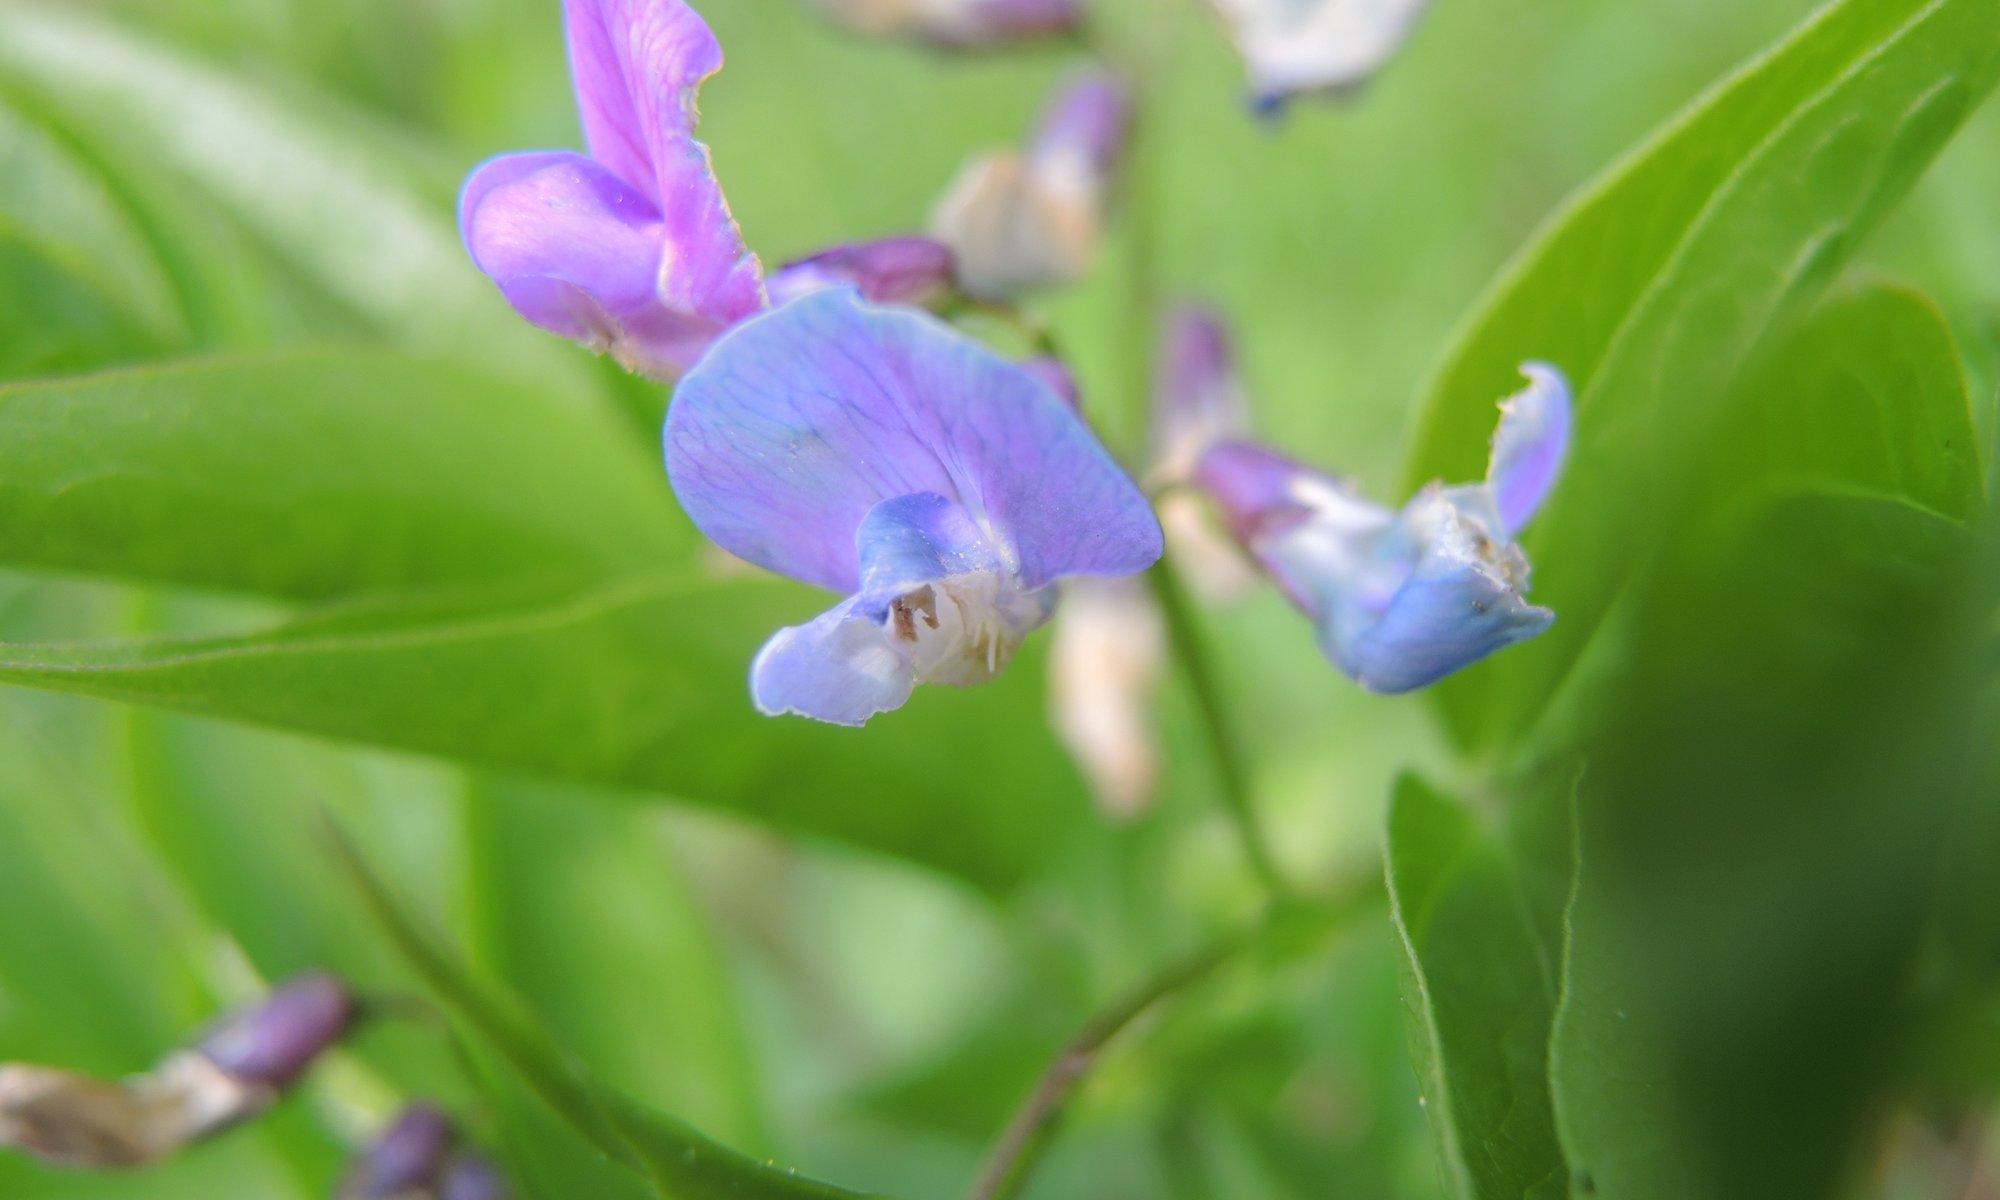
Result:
{"points": [[1692, 898]]}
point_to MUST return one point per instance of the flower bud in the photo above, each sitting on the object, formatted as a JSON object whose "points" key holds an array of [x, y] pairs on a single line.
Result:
{"points": [[1033, 219], [1315, 47], [69, 1120], [472, 1177], [1198, 400], [407, 1160], [273, 1043], [914, 271]]}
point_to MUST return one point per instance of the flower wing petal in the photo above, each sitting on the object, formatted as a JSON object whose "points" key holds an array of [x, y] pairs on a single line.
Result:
{"points": [[1530, 445], [913, 540], [838, 668], [800, 421]]}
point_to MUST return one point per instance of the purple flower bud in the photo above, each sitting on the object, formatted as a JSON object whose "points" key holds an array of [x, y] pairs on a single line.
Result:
{"points": [[1016, 20], [408, 1157], [274, 1042], [1197, 399], [913, 271], [1019, 221], [472, 1177], [1091, 120], [1055, 374]]}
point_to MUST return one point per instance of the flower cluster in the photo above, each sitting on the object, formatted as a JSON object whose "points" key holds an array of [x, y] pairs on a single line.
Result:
{"points": [[831, 425]]}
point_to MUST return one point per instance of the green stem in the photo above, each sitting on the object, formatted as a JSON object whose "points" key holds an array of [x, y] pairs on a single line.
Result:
{"points": [[1021, 1145], [1191, 654]]}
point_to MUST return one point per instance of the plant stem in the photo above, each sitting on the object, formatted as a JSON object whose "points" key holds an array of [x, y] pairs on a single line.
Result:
{"points": [[1021, 1145], [1233, 774]]}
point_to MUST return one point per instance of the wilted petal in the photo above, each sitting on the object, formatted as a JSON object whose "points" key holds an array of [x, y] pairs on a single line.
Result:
{"points": [[637, 66], [1530, 446], [1316, 46], [914, 271], [802, 420], [958, 24], [1109, 653], [1401, 600], [839, 668], [1023, 221], [71, 1120]]}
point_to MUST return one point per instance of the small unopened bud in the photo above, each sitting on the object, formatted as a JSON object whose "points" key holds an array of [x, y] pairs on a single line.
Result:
{"points": [[1056, 376], [915, 271], [1109, 653], [407, 1160], [1024, 220], [1198, 400], [274, 1043]]}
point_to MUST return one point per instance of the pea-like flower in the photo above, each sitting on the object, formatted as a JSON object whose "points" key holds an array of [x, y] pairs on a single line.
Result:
{"points": [[1019, 221], [881, 455], [1315, 47], [958, 24], [1402, 599], [419, 1157], [630, 249]]}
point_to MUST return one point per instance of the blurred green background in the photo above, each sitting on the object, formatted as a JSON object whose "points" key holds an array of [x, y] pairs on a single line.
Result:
{"points": [[186, 178]]}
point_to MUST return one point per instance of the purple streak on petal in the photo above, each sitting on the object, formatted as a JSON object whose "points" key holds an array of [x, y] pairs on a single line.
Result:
{"points": [[275, 1041], [406, 1158], [800, 421], [1089, 119], [472, 1177], [637, 65], [1057, 377], [913, 540], [916, 271], [1530, 445], [838, 668]]}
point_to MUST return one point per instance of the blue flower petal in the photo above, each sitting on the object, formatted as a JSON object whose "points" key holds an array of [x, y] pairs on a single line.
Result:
{"points": [[839, 668], [800, 421], [1530, 445]]}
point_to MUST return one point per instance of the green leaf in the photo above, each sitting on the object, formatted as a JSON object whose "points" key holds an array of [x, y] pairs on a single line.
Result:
{"points": [[1479, 913], [637, 683], [1655, 285], [341, 206], [52, 319], [320, 474], [681, 1163]]}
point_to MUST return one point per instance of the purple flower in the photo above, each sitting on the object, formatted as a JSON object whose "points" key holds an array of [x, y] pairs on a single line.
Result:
{"points": [[1322, 47], [1402, 599], [630, 249], [1023, 221], [915, 271], [406, 1159], [881, 455], [958, 24]]}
